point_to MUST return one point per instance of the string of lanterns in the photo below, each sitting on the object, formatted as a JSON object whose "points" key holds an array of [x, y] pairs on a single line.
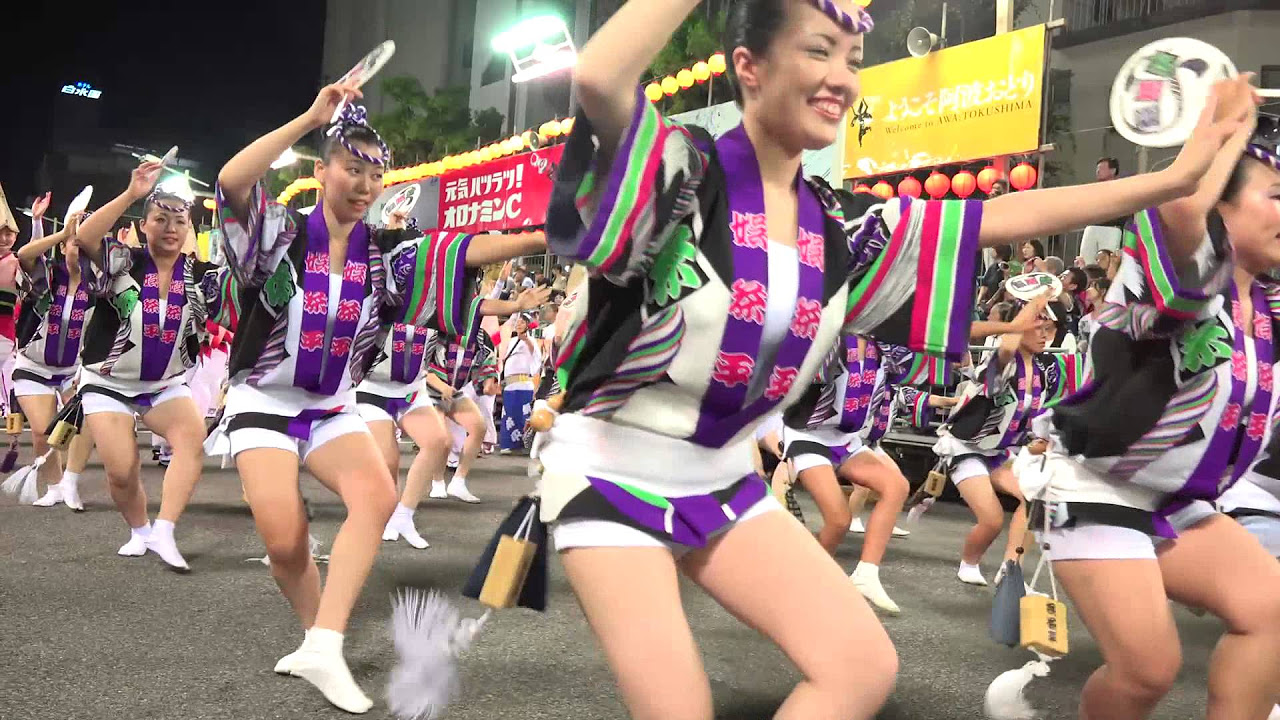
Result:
{"points": [[528, 140], [1021, 177], [699, 73]]}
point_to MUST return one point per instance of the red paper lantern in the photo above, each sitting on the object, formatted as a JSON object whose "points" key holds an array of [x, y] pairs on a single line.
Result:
{"points": [[987, 178], [937, 185], [882, 190], [909, 187], [963, 184], [862, 188], [1022, 176]]}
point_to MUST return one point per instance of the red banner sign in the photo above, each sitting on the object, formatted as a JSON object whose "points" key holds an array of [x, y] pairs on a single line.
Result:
{"points": [[504, 194]]}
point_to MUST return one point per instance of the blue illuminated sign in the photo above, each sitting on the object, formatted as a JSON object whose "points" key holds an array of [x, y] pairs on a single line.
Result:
{"points": [[82, 89]]}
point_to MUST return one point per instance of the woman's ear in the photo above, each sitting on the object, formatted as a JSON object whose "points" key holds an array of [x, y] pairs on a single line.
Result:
{"points": [[747, 69]]}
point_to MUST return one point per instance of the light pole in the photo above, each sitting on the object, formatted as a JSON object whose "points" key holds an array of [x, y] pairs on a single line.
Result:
{"points": [[538, 47]]}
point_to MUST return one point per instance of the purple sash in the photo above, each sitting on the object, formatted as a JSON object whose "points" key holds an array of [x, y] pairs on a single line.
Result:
{"points": [[317, 370], [160, 335], [61, 350], [726, 408], [1210, 478], [1027, 407], [408, 345], [860, 384]]}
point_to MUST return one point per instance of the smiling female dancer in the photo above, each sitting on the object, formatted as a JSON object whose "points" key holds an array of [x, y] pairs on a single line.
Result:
{"points": [[56, 306], [722, 279], [142, 338], [1181, 405], [310, 290]]}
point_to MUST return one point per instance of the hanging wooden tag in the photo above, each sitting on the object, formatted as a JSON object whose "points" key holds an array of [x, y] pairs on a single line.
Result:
{"points": [[1043, 625], [935, 483], [13, 423], [62, 435], [507, 572]]}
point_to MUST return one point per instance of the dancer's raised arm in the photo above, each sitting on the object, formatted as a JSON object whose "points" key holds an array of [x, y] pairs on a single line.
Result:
{"points": [[96, 226], [615, 59]]}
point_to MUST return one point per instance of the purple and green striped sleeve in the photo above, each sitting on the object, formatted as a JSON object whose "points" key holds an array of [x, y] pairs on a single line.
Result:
{"points": [[613, 214], [916, 403], [918, 289], [1068, 378], [1174, 292], [431, 284], [487, 369], [254, 244]]}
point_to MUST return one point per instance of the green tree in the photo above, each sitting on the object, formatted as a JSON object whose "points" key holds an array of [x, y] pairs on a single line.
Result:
{"points": [[699, 37], [424, 128], [278, 180], [967, 20]]}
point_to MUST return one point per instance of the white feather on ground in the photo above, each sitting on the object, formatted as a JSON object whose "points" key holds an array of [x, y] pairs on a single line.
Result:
{"points": [[1006, 698], [424, 680]]}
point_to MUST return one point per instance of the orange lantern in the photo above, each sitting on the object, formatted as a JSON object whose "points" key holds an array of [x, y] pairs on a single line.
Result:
{"points": [[909, 187], [937, 185], [701, 71], [1022, 176], [209, 204], [685, 78], [653, 91], [862, 188], [963, 184], [670, 85], [716, 64], [883, 190], [987, 178]]}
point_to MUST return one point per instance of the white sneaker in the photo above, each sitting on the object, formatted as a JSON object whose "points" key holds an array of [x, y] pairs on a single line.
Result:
{"points": [[167, 549], [874, 593], [971, 574], [437, 490], [136, 547], [857, 527], [899, 532], [459, 490], [52, 496]]}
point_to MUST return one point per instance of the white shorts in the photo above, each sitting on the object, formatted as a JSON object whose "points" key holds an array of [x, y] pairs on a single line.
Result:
{"points": [[1265, 529], [94, 402], [604, 533], [31, 388], [837, 457], [972, 467], [374, 413], [322, 431], [1091, 541]]}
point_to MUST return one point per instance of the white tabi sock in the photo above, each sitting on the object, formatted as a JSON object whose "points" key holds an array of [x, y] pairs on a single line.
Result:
{"points": [[319, 661], [458, 489], [70, 479], [161, 543], [137, 545]]}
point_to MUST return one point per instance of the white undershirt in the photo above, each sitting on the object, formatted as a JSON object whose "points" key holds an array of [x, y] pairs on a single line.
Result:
{"points": [[335, 296], [784, 287]]}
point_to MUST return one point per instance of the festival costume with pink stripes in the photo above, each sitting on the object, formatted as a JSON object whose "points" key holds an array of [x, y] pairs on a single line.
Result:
{"points": [[672, 357], [305, 338], [850, 404], [137, 345]]}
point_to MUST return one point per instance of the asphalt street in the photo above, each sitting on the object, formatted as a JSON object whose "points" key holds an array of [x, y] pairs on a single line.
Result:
{"points": [[85, 634]]}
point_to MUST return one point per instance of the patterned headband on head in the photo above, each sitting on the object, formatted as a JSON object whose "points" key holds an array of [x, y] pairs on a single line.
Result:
{"points": [[154, 199], [1265, 143], [858, 23], [357, 116]]}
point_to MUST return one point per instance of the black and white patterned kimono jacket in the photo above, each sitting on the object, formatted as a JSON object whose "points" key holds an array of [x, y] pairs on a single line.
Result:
{"points": [[1180, 403], [659, 366], [52, 321], [281, 374], [132, 350], [851, 401]]}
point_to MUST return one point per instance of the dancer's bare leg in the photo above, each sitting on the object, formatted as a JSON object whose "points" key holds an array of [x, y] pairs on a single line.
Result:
{"points": [[40, 411], [114, 435], [467, 415], [269, 477]]}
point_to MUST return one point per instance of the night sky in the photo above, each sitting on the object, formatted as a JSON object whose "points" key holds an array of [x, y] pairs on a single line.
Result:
{"points": [[208, 77]]}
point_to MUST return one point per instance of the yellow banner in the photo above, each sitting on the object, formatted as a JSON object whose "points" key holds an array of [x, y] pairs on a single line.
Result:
{"points": [[976, 100]]}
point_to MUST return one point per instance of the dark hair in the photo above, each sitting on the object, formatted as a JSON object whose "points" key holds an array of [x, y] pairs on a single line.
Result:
{"points": [[1102, 284], [751, 24], [167, 198], [1002, 311], [1095, 272], [1004, 252], [1113, 163], [353, 134], [1039, 246], [1078, 277]]}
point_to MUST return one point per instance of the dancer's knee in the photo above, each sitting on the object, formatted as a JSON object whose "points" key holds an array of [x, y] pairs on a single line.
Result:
{"points": [[866, 672], [289, 556], [1150, 678]]}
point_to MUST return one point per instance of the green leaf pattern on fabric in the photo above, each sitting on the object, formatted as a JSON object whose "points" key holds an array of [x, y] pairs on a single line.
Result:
{"points": [[280, 287], [1205, 346], [675, 267], [125, 302]]}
